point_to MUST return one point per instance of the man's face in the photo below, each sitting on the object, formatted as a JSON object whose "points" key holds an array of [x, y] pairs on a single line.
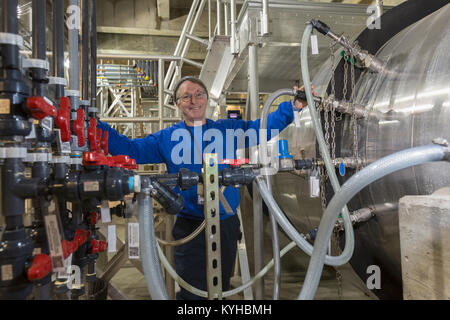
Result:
{"points": [[191, 99]]}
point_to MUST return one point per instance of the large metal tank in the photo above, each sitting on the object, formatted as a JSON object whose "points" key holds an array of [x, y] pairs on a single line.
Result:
{"points": [[408, 106]]}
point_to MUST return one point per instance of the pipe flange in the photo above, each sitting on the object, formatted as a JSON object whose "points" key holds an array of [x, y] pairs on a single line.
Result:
{"points": [[93, 110], [72, 93], [61, 159], [12, 39], [13, 152], [35, 64], [86, 103], [38, 157], [57, 81], [76, 160]]}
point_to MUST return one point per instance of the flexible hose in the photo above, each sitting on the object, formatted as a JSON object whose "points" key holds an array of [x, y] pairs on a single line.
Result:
{"points": [[225, 294], [184, 240], [377, 170], [331, 170], [273, 222], [275, 210], [149, 253]]}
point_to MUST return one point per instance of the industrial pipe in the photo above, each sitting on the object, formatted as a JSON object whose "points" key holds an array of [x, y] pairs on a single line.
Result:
{"points": [[378, 169], [147, 242]]}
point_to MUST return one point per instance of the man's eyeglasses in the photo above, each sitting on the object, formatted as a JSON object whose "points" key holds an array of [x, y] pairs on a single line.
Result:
{"points": [[197, 96]]}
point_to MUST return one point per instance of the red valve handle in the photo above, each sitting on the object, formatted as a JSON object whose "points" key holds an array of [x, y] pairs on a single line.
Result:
{"points": [[40, 268], [81, 236], [63, 118], [69, 247], [98, 246], [95, 159], [98, 139], [104, 142], [92, 134], [95, 217], [78, 127], [234, 162], [40, 108]]}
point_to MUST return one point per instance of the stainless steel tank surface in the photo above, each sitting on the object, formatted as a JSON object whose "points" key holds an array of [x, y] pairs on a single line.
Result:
{"points": [[409, 105]]}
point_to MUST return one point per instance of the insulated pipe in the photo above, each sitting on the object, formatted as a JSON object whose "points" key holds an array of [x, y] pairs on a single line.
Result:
{"points": [[85, 51], [377, 170], [58, 45], [93, 53], [148, 244]]}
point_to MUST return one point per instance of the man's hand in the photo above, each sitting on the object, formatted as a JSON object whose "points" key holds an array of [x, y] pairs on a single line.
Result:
{"points": [[300, 104]]}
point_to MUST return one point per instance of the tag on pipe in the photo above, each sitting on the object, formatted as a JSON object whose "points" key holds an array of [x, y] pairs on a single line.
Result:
{"points": [[112, 238], [314, 184], [133, 240], [314, 45], [54, 242], [105, 212]]}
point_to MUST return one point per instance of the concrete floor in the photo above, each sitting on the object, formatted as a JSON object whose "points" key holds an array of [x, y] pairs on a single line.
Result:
{"points": [[130, 282]]}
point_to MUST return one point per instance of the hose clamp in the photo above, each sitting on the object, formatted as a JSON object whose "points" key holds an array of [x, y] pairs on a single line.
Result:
{"points": [[85, 103], [12, 39], [92, 110], [444, 143]]}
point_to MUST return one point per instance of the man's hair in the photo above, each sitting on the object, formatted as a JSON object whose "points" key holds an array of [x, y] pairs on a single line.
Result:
{"points": [[190, 79]]}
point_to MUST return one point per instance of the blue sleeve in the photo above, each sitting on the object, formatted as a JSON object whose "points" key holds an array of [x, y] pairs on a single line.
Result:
{"points": [[277, 120], [143, 150]]}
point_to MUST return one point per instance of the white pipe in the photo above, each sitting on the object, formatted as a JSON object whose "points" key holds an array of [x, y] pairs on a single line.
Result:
{"points": [[265, 18], [233, 43]]}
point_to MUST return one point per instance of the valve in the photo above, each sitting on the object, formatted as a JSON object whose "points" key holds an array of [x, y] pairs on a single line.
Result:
{"points": [[98, 246], [69, 247], [63, 118], [123, 161], [98, 139], [95, 217], [81, 236], [234, 162], [78, 127], [40, 268], [40, 108], [95, 159], [104, 143], [92, 134]]}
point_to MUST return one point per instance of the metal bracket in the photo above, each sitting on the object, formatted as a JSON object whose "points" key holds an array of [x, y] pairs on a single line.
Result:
{"points": [[212, 230]]}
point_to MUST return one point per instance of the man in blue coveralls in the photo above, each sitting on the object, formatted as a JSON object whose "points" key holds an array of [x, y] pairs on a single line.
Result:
{"points": [[191, 96]]}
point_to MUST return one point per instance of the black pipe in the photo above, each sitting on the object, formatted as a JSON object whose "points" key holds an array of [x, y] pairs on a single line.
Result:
{"points": [[39, 47], [85, 50], [93, 54], [58, 45]]}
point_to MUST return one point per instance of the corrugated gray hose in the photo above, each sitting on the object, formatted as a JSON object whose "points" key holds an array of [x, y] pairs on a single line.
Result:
{"points": [[380, 168], [149, 251]]}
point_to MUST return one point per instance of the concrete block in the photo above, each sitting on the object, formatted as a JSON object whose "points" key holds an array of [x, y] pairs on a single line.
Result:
{"points": [[424, 224]]}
